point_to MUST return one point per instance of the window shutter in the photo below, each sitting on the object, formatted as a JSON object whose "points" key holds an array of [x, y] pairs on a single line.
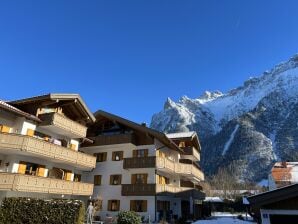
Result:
{"points": [[68, 176], [41, 171], [30, 132], [121, 156], [132, 205], [4, 129], [157, 178], [111, 179], [145, 178], [104, 156], [22, 168], [73, 146], [114, 156], [133, 178], [109, 205], [118, 205], [134, 153], [146, 152], [120, 179], [144, 206]]}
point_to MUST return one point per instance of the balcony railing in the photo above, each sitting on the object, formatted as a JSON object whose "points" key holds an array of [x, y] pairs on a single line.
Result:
{"points": [[156, 189], [63, 123], [179, 168], [46, 149], [163, 164], [113, 139], [138, 189], [191, 151], [27, 183], [139, 162]]}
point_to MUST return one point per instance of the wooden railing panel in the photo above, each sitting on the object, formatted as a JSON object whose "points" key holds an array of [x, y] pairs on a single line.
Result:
{"points": [[28, 183]]}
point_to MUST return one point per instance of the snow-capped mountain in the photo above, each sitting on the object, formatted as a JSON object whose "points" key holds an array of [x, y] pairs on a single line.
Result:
{"points": [[249, 127]]}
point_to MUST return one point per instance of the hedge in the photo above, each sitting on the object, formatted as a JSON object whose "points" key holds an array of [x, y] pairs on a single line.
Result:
{"points": [[128, 217], [39, 211]]}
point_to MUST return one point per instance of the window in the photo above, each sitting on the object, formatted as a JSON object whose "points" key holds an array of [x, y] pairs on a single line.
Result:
{"points": [[77, 177], [101, 157], [139, 178], [162, 180], [67, 175], [4, 128], [31, 169], [140, 153], [97, 180], [138, 205], [182, 144], [161, 154], [113, 205], [30, 132], [115, 179], [117, 156]]}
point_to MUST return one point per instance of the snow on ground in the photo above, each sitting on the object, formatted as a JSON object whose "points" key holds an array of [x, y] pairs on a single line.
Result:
{"points": [[225, 218]]}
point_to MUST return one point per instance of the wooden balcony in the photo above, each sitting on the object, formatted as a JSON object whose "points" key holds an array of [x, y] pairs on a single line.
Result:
{"points": [[62, 125], [164, 164], [139, 162], [138, 189], [187, 170], [113, 139], [27, 183], [158, 189], [191, 153], [22, 144]]}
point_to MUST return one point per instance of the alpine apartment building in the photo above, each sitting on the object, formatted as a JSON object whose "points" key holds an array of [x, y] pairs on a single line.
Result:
{"points": [[40, 140], [143, 170]]}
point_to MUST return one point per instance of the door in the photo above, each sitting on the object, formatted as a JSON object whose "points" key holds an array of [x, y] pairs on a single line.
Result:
{"points": [[185, 209]]}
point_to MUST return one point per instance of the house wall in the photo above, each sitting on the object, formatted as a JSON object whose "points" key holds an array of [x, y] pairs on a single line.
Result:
{"points": [[106, 191]]}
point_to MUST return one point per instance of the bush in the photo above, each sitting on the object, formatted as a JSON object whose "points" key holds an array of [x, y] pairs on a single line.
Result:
{"points": [[128, 217], [38, 211]]}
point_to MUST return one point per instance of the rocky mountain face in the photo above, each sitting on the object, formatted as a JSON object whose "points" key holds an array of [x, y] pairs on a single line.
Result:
{"points": [[248, 128]]}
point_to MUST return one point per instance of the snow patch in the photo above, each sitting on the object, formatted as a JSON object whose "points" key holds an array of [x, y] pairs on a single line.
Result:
{"points": [[229, 142], [273, 143]]}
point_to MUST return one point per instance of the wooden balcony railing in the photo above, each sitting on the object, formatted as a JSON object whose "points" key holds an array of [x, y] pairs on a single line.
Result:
{"points": [[113, 139], [139, 162], [46, 149], [163, 164], [179, 168], [63, 123], [27, 183], [138, 189], [156, 189], [191, 151]]}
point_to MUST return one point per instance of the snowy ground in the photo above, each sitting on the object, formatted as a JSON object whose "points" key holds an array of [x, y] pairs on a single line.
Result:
{"points": [[224, 218]]}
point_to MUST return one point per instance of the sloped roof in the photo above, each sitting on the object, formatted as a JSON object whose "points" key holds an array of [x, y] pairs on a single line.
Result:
{"points": [[156, 134], [56, 97], [189, 134], [269, 197], [7, 107], [192, 136], [285, 171]]}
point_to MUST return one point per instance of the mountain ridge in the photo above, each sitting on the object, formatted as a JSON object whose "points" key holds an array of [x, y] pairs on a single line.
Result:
{"points": [[261, 109]]}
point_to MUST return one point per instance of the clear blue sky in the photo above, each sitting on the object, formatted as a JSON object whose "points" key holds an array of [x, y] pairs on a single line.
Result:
{"points": [[126, 57]]}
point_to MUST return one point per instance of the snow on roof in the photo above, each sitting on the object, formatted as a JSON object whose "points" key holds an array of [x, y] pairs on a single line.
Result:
{"points": [[181, 134], [214, 199]]}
